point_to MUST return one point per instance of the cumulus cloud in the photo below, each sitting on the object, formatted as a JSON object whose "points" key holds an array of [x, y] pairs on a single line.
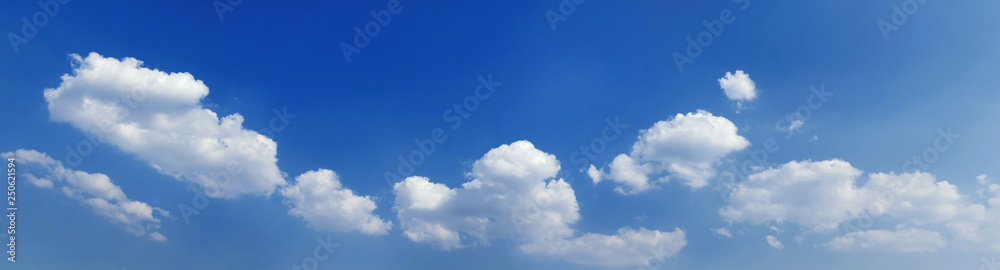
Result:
{"points": [[506, 183], [774, 242], [819, 195], [320, 199], [159, 118], [513, 193], [738, 86], [822, 196], [908, 240], [686, 146], [92, 189]]}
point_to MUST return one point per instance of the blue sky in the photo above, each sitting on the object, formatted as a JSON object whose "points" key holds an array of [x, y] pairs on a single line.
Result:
{"points": [[557, 88]]}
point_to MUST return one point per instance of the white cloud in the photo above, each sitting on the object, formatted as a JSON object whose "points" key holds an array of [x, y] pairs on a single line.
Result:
{"points": [[795, 125], [92, 189], [819, 195], [320, 199], [915, 197], [723, 232], [773, 242], [595, 174], [686, 146], [158, 117], [513, 194], [822, 195], [908, 240], [988, 187], [419, 193], [508, 183], [631, 176], [627, 247], [38, 182], [738, 86]]}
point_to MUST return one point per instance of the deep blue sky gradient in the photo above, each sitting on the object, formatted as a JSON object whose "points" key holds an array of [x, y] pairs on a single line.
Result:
{"points": [[608, 59]]}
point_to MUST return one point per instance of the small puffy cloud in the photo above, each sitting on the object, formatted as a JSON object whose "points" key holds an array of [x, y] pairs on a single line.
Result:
{"points": [[774, 242], [92, 189], [627, 247], [686, 146], [320, 199], [631, 176], [159, 118], [595, 174], [907, 240], [795, 125], [723, 232], [513, 194], [738, 86]]}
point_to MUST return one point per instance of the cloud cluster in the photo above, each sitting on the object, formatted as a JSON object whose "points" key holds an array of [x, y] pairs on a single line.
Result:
{"points": [[926, 214], [92, 189], [158, 117], [513, 194], [686, 146]]}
